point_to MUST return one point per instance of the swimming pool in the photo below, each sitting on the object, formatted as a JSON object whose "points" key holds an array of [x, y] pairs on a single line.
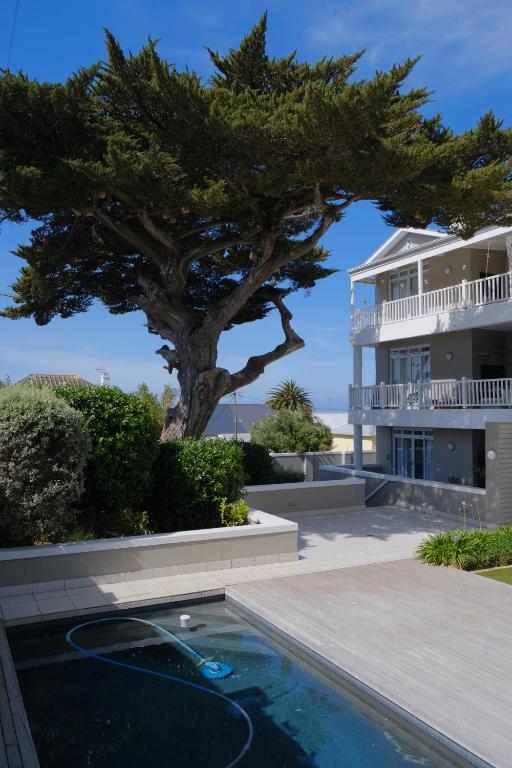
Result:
{"points": [[142, 699]]}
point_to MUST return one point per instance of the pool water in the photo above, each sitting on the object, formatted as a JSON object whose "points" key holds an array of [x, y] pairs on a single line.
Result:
{"points": [[87, 713]]}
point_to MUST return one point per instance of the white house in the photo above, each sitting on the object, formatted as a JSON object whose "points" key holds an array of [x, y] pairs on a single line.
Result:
{"points": [[441, 331]]}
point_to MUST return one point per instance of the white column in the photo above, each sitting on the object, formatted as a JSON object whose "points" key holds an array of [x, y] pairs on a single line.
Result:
{"points": [[357, 378], [352, 297], [420, 277], [420, 287]]}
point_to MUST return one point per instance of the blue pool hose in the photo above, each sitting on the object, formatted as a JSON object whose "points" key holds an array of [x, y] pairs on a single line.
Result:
{"points": [[154, 673]]}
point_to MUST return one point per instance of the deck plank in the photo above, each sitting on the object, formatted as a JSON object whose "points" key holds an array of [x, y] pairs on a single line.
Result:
{"points": [[435, 642], [16, 745]]}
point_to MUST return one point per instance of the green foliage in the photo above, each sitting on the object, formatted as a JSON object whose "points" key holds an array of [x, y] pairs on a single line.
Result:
{"points": [[192, 478], [235, 513], [158, 405], [257, 464], [292, 432], [203, 202], [286, 475], [288, 395], [119, 471], [469, 550], [43, 450]]}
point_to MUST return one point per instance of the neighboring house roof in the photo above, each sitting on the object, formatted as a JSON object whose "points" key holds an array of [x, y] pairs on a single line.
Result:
{"points": [[337, 421], [223, 420], [55, 380]]}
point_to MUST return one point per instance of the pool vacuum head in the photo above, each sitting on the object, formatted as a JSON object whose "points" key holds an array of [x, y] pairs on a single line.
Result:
{"points": [[214, 670]]}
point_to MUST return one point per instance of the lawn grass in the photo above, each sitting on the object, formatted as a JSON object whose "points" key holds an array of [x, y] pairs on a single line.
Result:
{"points": [[498, 574]]}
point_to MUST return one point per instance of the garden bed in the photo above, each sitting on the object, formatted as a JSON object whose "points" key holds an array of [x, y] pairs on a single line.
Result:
{"points": [[55, 566]]}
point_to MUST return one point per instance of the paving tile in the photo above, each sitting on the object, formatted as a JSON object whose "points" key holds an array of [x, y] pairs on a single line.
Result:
{"points": [[20, 610], [89, 600], [13, 599], [48, 586], [55, 605]]}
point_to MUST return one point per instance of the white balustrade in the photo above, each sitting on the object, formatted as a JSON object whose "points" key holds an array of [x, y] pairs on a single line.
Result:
{"points": [[442, 393], [487, 290]]}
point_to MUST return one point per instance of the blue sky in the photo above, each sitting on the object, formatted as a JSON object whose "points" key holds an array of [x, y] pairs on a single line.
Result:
{"points": [[466, 61]]}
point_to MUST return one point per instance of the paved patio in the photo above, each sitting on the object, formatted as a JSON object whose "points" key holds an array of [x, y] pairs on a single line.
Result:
{"points": [[326, 542], [357, 538]]}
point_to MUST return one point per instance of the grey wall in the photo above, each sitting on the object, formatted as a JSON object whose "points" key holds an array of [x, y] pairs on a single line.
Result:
{"points": [[498, 438], [457, 463], [291, 498]]}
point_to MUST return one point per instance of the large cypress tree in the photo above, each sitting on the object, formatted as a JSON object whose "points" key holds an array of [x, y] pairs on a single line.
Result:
{"points": [[203, 203]]}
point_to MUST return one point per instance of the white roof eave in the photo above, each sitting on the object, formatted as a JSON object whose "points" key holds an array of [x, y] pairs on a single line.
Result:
{"points": [[426, 251]]}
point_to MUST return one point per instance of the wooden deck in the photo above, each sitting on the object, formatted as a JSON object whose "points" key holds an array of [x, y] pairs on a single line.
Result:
{"points": [[16, 745], [435, 642]]}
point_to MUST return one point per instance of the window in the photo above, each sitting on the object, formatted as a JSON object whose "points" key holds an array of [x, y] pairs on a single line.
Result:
{"points": [[410, 365], [413, 453], [405, 283]]}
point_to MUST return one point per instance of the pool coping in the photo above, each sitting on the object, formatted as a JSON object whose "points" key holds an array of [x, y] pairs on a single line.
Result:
{"points": [[434, 734]]}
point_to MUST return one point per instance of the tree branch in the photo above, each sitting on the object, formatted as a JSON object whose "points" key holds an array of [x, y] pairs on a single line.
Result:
{"points": [[126, 233], [257, 364]]}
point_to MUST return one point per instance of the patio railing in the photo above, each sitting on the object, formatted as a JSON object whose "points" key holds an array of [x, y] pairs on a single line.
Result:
{"points": [[487, 290], [445, 393]]}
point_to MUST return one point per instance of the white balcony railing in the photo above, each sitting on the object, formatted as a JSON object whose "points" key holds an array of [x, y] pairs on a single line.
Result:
{"points": [[487, 290], [446, 393]]}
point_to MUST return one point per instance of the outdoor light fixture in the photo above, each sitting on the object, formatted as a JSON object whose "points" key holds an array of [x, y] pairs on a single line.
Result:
{"points": [[451, 446], [449, 356], [491, 455], [448, 270], [464, 267]]}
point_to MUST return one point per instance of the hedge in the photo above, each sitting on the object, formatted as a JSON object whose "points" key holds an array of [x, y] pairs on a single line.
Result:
{"points": [[43, 450], [119, 472], [257, 464], [194, 478]]}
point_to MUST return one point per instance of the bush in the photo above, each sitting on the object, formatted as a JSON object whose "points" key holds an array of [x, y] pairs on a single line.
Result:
{"points": [[292, 432], [286, 475], [119, 472], [236, 513], [470, 550], [43, 450], [192, 479], [257, 464]]}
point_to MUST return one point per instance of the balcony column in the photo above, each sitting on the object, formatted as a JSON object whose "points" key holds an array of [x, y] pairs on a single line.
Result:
{"points": [[508, 245], [357, 378], [420, 286], [352, 297]]}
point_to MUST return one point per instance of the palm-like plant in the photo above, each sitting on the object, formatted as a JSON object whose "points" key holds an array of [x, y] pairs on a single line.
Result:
{"points": [[288, 395]]}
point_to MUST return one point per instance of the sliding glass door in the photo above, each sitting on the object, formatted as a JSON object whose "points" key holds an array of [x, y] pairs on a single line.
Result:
{"points": [[413, 453]]}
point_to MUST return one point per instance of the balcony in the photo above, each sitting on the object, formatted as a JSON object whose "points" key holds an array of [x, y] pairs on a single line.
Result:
{"points": [[446, 393], [454, 298]]}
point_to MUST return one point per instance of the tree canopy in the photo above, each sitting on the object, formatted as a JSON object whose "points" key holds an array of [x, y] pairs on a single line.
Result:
{"points": [[292, 432], [203, 203], [289, 395]]}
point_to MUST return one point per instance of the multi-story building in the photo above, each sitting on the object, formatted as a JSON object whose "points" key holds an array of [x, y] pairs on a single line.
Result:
{"points": [[441, 329]]}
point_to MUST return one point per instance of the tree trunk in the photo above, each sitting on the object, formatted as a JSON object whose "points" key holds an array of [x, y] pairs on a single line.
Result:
{"points": [[201, 387]]}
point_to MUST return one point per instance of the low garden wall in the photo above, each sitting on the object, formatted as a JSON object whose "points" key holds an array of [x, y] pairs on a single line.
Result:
{"points": [[267, 539], [390, 490], [289, 498], [312, 463]]}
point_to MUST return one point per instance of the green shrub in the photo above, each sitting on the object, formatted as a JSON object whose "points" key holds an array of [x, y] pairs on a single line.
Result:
{"points": [[286, 475], [119, 472], [470, 550], [192, 477], [43, 450], [236, 513], [292, 432], [257, 464]]}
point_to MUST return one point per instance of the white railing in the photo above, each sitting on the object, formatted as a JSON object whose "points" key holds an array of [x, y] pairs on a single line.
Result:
{"points": [[487, 290], [443, 393]]}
